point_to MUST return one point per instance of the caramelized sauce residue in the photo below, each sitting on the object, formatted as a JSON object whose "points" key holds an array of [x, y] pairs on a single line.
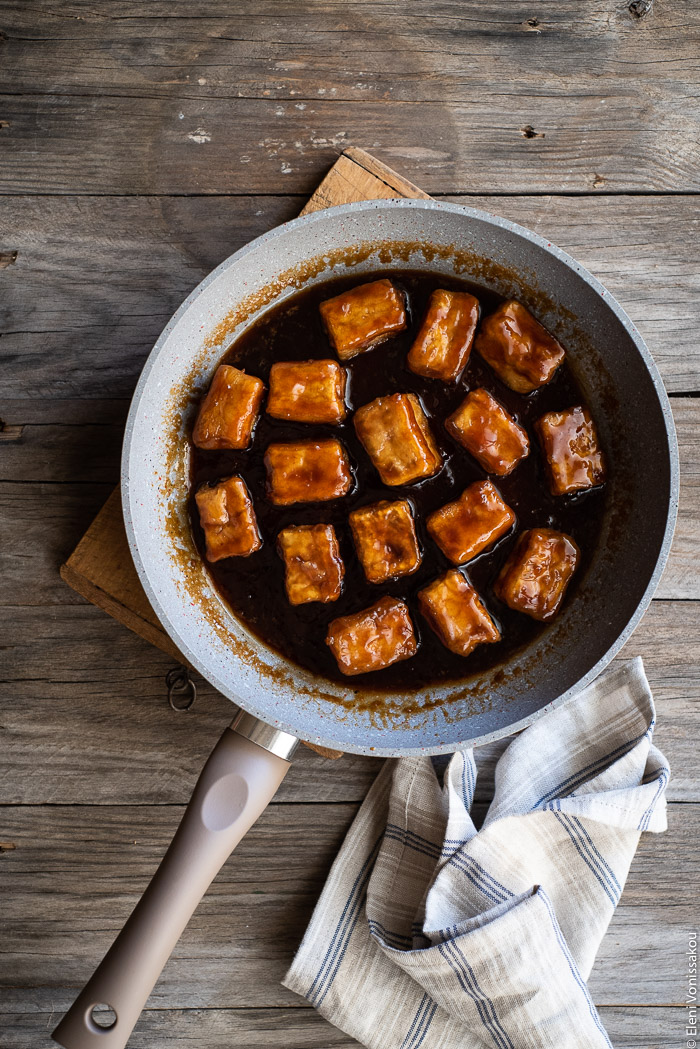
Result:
{"points": [[253, 586]]}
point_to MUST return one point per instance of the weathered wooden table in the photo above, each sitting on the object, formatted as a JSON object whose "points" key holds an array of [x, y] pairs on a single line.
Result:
{"points": [[140, 144]]}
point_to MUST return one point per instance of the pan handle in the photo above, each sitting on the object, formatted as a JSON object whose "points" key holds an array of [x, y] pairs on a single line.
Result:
{"points": [[241, 776]]}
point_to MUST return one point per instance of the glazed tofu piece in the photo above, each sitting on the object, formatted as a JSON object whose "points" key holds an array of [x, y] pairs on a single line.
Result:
{"points": [[307, 391], [385, 540], [570, 444], [307, 472], [360, 318], [229, 411], [472, 523], [313, 566], [484, 428], [372, 639], [456, 613], [395, 434], [227, 516], [443, 344], [535, 576], [521, 352]]}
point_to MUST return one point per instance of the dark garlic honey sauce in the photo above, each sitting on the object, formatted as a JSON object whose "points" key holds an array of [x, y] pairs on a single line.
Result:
{"points": [[253, 586]]}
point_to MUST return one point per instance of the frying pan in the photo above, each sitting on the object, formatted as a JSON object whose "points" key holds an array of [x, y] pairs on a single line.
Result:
{"points": [[282, 703]]}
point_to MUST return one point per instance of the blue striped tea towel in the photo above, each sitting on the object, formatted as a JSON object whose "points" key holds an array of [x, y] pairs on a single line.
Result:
{"points": [[430, 933]]}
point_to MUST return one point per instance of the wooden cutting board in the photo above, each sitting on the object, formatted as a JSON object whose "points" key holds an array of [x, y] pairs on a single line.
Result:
{"points": [[100, 568]]}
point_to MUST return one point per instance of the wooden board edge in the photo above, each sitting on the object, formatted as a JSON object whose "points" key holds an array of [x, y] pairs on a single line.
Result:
{"points": [[386, 174], [126, 616], [357, 176]]}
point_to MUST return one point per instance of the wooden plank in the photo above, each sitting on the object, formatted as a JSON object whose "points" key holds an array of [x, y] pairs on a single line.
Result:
{"points": [[90, 699], [141, 145], [629, 1028], [682, 575], [64, 452], [282, 1028], [102, 724], [132, 282], [357, 175], [243, 936], [63, 411], [258, 97], [97, 279], [307, 51], [40, 523], [101, 569]]}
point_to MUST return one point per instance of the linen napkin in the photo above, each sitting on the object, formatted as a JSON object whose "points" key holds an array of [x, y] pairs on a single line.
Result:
{"points": [[430, 933]]}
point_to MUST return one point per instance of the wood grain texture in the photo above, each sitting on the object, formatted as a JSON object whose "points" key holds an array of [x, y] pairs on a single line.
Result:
{"points": [[682, 575], [302, 1028], [101, 569], [244, 934], [176, 101], [356, 175], [89, 697], [67, 333]]}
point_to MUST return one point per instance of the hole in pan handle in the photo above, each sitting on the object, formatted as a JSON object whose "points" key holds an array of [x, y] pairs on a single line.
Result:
{"points": [[240, 778]]}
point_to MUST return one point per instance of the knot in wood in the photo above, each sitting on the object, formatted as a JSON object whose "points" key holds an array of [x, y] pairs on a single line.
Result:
{"points": [[640, 8]]}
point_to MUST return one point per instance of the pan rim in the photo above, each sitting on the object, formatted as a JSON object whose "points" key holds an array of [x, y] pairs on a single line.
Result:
{"points": [[609, 301]]}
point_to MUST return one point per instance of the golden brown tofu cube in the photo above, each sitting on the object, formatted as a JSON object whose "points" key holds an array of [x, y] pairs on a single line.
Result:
{"points": [[455, 612], [227, 516], [385, 540], [374, 638], [485, 429], [395, 434], [570, 444], [307, 391], [443, 344], [360, 318], [521, 352], [535, 576], [229, 411], [313, 566], [472, 523], [307, 472]]}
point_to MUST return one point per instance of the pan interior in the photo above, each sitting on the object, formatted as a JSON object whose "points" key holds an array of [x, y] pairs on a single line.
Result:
{"points": [[621, 385]]}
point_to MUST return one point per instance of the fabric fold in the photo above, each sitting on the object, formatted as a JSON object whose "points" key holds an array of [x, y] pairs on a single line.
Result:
{"points": [[432, 933]]}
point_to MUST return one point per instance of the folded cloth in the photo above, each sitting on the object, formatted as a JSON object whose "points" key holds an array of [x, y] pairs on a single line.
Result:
{"points": [[431, 933]]}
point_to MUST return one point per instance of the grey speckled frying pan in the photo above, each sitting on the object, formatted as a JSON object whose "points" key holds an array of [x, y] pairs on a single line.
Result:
{"points": [[283, 703]]}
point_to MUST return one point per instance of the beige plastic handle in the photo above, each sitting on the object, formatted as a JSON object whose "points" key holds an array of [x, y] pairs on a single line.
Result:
{"points": [[235, 786]]}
